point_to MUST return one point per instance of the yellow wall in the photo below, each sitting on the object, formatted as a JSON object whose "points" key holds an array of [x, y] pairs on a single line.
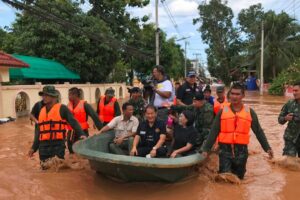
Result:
{"points": [[8, 94], [4, 74]]}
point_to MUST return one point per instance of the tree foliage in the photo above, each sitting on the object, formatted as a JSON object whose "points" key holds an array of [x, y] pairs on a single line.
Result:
{"points": [[98, 44], [287, 77], [35, 36], [218, 32], [234, 46], [281, 41], [2, 37]]}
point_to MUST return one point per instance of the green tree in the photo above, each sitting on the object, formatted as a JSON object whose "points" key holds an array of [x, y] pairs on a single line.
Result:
{"points": [[99, 44], [2, 38], [171, 55], [286, 77], [120, 71], [34, 35], [172, 58], [124, 27], [281, 38], [222, 38]]}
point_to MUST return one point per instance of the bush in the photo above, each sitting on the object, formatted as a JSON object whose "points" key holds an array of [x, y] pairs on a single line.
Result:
{"points": [[286, 77]]}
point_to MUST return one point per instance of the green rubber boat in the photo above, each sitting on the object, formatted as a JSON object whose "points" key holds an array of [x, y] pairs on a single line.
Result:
{"points": [[129, 168]]}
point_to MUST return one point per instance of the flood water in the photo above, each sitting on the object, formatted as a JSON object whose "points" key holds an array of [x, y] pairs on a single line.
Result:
{"points": [[21, 177]]}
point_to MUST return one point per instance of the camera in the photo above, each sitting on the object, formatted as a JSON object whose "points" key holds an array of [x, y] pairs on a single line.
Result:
{"points": [[148, 84], [296, 117]]}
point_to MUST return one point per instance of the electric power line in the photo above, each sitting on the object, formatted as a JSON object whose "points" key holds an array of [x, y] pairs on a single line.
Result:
{"points": [[170, 15], [288, 6], [47, 15], [279, 5], [293, 9]]}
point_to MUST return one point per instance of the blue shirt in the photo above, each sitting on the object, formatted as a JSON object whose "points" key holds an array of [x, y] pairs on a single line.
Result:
{"points": [[211, 100]]}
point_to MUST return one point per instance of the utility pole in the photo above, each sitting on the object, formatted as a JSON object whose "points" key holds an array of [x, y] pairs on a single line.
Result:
{"points": [[185, 52], [156, 34], [262, 60], [294, 10], [185, 59], [197, 61]]}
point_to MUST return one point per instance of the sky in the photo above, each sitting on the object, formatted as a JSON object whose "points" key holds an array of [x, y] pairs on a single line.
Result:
{"points": [[183, 12]]}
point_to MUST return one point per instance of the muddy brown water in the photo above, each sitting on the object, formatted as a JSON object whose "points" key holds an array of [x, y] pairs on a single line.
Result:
{"points": [[21, 177]]}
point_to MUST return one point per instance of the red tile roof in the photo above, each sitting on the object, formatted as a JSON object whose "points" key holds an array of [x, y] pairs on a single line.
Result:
{"points": [[7, 60]]}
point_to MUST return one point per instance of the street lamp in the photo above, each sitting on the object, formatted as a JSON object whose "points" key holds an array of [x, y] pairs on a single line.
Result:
{"points": [[185, 44]]}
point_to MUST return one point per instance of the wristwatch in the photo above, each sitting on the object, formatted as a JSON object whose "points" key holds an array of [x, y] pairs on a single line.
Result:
{"points": [[154, 148]]}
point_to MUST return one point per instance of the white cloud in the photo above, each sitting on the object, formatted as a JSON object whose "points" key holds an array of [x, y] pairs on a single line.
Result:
{"points": [[238, 5], [4, 8], [182, 10]]}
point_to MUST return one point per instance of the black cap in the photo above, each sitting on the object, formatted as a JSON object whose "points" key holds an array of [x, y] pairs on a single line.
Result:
{"points": [[110, 92], [135, 90], [199, 96], [191, 74], [220, 89]]}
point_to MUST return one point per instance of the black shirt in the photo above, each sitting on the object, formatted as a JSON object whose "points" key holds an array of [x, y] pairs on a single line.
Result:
{"points": [[90, 112], [150, 135], [37, 108], [186, 93], [182, 136]]}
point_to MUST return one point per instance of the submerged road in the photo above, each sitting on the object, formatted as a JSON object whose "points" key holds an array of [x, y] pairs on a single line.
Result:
{"points": [[21, 177]]}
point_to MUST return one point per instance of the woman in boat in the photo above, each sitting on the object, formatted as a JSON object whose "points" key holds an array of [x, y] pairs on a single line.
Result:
{"points": [[150, 136], [184, 136]]}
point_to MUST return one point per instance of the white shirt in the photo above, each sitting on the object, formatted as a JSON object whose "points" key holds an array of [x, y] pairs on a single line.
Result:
{"points": [[165, 86], [122, 127]]}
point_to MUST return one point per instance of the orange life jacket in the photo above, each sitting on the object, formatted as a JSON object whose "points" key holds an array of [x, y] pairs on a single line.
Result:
{"points": [[218, 105], [106, 112], [235, 127], [79, 114], [51, 125], [175, 101]]}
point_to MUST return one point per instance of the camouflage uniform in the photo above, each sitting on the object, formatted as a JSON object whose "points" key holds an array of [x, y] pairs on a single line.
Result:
{"points": [[203, 120], [292, 132], [139, 108]]}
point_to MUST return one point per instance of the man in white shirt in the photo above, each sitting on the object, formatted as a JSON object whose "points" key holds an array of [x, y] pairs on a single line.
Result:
{"points": [[163, 92], [125, 127]]}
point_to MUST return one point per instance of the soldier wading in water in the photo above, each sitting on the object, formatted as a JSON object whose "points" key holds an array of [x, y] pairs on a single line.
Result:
{"points": [[232, 127], [290, 113]]}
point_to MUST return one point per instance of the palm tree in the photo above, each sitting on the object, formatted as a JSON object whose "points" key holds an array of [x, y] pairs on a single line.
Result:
{"points": [[281, 41]]}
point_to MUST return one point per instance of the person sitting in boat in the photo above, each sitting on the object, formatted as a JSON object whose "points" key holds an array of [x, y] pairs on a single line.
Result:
{"points": [[151, 135], [125, 127], [184, 135], [138, 102], [204, 116]]}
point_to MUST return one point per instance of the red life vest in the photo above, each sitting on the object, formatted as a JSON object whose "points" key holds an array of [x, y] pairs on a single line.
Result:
{"points": [[235, 127], [51, 125], [106, 112], [79, 114], [175, 101]]}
